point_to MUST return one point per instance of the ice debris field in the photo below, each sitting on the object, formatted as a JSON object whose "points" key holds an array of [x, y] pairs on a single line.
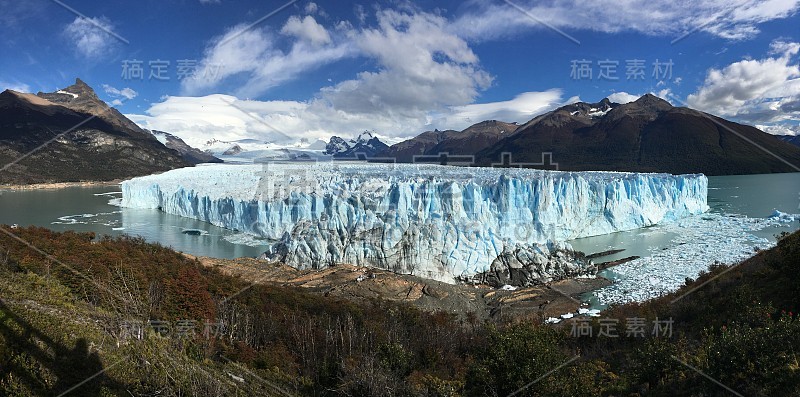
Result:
{"points": [[700, 242], [434, 221]]}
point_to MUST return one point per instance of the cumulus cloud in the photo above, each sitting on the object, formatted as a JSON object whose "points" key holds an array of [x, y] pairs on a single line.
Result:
{"points": [[126, 92], [306, 29], [253, 57], [722, 18], [419, 66], [91, 36], [756, 91], [780, 129], [422, 67], [622, 97], [225, 117]]}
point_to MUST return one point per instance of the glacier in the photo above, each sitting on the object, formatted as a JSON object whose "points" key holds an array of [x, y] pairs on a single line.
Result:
{"points": [[439, 222]]}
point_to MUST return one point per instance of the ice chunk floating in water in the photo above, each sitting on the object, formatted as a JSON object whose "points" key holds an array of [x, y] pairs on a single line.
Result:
{"points": [[434, 221]]}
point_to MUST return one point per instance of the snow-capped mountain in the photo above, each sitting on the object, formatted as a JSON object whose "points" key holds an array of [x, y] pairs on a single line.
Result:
{"points": [[336, 146], [254, 150], [365, 145], [646, 135], [190, 154]]}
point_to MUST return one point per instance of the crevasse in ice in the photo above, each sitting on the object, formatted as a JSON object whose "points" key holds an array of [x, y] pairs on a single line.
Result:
{"points": [[434, 221]]}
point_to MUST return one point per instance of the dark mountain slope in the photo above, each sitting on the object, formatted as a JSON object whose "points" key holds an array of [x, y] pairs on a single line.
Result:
{"points": [[467, 142], [73, 136], [793, 139], [648, 135]]}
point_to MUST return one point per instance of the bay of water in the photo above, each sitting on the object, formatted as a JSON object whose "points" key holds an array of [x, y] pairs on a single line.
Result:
{"points": [[754, 196], [88, 209]]}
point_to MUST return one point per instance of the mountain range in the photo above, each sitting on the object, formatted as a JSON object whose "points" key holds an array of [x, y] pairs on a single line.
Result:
{"points": [[646, 135], [365, 145], [467, 142], [190, 154], [793, 139], [71, 135]]}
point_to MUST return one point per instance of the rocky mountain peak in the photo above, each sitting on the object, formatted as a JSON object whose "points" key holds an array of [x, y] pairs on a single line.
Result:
{"points": [[336, 145], [81, 89], [650, 101], [81, 98], [647, 106], [96, 141], [365, 136], [366, 143]]}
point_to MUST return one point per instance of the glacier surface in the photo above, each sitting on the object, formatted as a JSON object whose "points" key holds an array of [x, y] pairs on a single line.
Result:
{"points": [[433, 221]]}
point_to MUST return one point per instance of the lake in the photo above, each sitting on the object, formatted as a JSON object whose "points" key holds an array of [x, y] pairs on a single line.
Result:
{"points": [[735, 225]]}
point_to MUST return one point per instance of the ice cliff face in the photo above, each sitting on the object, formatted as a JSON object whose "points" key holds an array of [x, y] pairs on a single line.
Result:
{"points": [[434, 221]]}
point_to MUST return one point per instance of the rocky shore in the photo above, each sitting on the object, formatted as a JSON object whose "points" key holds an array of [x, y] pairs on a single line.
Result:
{"points": [[364, 284], [59, 185]]}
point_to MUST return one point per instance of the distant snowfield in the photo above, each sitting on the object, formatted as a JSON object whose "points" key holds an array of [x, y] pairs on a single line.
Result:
{"points": [[433, 221], [250, 151]]}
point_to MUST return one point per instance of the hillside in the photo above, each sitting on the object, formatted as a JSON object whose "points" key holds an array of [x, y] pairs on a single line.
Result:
{"points": [[188, 153], [71, 135], [467, 142], [793, 139], [84, 310], [647, 135]]}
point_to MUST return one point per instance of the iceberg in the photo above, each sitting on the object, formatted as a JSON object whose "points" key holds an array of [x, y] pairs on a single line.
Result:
{"points": [[439, 222]]}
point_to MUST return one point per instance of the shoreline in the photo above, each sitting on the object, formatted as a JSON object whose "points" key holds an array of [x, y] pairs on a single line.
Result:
{"points": [[60, 185], [361, 284]]}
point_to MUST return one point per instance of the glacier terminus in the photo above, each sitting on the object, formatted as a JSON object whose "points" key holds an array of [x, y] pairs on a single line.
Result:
{"points": [[495, 225]]}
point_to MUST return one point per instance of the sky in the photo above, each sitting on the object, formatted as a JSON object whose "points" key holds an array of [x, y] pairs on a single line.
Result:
{"points": [[289, 70]]}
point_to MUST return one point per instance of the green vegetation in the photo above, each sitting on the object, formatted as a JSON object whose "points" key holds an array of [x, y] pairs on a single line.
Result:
{"points": [[89, 309]]}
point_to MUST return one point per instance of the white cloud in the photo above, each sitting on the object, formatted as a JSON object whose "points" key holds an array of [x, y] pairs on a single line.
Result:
{"points": [[200, 119], [252, 57], [665, 94], [520, 109], [622, 97], [91, 36], [15, 86], [722, 18], [126, 92], [361, 14], [422, 67], [311, 8], [780, 129], [306, 29], [226, 117], [754, 90]]}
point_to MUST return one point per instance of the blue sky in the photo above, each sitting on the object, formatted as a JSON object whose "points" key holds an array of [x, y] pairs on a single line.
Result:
{"points": [[314, 69]]}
